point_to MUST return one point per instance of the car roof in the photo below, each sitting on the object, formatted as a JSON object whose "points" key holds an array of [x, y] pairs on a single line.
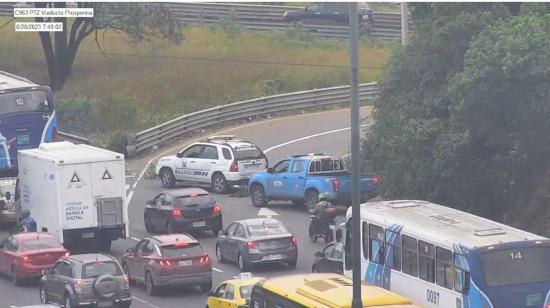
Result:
{"points": [[32, 235], [171, 239], [185, 192], [90, 257]]}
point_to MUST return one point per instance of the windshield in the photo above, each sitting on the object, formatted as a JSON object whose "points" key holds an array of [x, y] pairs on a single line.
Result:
{"points": [[267, 228], [199, 199], [97, 269], [177, 251], [248, 152], [20, 102], [42, 243], [516, 266]]}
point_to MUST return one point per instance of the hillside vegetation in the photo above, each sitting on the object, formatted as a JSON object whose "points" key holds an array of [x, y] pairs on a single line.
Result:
{"points": [[135, 87], [463, 117]]}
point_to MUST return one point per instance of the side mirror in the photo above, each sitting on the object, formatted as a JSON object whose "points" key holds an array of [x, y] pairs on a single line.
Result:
{"points": [[211, 293], [221, 233], [318, 254], [46, 272], [7, 195], [130, 250], [150, 202], [248, 302], [179, 155], [269, 170]]}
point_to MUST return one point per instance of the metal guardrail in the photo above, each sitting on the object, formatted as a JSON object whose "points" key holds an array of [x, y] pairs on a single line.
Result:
{"points": [[72, 138], [386, 26], [253, 108]]}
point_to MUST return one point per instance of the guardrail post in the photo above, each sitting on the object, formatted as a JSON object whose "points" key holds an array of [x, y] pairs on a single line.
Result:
{"points": [[131, 145]]}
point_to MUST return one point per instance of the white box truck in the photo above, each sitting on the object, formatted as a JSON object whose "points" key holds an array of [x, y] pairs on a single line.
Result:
{"points": [[75, 191]]}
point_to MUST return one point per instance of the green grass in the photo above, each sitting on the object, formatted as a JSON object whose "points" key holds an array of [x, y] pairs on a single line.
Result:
{"points": [[136, 87]]}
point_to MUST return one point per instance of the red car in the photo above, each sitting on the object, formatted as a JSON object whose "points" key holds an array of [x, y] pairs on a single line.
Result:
{"points": [[25, 255]]}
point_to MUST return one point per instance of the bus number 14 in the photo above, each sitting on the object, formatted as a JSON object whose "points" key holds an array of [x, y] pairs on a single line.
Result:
{"points": [[432, 297]]}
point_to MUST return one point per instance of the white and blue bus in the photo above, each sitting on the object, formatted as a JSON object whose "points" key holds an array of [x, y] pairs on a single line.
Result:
{"points": [[442, 257], [27, 118]]}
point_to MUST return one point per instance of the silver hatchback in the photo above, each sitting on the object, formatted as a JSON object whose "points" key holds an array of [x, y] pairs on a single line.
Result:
{"points": [[86, 280]]}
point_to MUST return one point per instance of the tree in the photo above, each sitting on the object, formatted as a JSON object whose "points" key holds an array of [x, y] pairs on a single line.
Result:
{"points": [[464, 112], [138, 20]]}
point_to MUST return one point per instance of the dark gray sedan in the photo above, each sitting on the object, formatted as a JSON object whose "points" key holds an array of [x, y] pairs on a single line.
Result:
{"points": [[257, 241], [183, 210]]}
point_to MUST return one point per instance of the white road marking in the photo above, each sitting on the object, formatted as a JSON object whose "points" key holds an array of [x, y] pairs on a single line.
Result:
{"points": [[134, 238], [127, 186], [267, 212], [305, 138], [144, 302], [217, 270]]}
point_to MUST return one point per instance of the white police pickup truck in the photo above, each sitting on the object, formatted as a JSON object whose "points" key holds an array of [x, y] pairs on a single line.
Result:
{"points": [[219, 161]]}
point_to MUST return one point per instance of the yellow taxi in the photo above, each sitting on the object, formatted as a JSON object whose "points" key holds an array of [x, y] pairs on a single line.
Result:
{"points": [[233, 293]]}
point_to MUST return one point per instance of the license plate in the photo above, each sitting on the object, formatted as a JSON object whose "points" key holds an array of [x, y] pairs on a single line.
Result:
{"points": [[273, 257], [88, 235], [185, 263], [197, 224]]}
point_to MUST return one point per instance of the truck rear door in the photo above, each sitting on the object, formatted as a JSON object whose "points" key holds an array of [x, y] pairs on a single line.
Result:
{"points": [[108, 191], [76, 197]]}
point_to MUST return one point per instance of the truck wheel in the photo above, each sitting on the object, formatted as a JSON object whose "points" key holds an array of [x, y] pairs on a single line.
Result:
{"points": [[167, 178], [219, 184], [312, 197], [257, 194]]}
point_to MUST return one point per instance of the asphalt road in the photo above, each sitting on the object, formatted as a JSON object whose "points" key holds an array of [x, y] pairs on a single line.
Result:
{"points": [[319, 132]]}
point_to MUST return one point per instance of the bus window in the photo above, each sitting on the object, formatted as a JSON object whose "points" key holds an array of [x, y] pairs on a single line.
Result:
{"points": [[462, 276], [410, 255], [444, 268], [426, 261], [348, 260], [393, 243], [365, 241], [376, 244]]}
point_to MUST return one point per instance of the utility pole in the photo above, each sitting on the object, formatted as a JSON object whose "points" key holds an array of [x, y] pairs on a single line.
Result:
{"points": [[355, 164], [404, 23]]}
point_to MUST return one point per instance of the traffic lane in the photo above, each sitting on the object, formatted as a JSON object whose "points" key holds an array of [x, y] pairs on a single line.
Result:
{"points": [[269, 133]]}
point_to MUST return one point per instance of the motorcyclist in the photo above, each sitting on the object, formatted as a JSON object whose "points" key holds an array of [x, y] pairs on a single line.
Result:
{"points": [[324, 213], [26, 223]]}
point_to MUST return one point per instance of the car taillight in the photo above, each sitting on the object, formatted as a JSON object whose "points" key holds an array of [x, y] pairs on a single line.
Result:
{"points": [[216, 209], [234, 167], [78, 285], [26, 259], [204, 259], [375, 180], [55, 135], [252, 245], [336, 184], [177, 213], [126, 282], [165, 263], [294, 241]]}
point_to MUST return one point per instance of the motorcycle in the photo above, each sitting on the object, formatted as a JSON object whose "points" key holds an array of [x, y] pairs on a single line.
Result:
{"points": [[323, 225]]}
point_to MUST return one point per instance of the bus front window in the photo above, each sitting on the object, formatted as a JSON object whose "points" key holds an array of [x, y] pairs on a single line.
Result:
{"points": [[522, 265], [24, 102]]}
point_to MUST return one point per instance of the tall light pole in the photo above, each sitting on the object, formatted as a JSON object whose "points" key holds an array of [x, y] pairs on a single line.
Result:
{"points": [[355, 163], [404, 23]]}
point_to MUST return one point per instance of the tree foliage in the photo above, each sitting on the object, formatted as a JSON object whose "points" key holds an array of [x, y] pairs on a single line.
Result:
{"points": [[138, 20], [464, 111]]}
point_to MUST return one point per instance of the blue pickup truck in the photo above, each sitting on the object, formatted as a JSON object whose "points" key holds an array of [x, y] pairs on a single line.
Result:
{"points": [[301, 178]]}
